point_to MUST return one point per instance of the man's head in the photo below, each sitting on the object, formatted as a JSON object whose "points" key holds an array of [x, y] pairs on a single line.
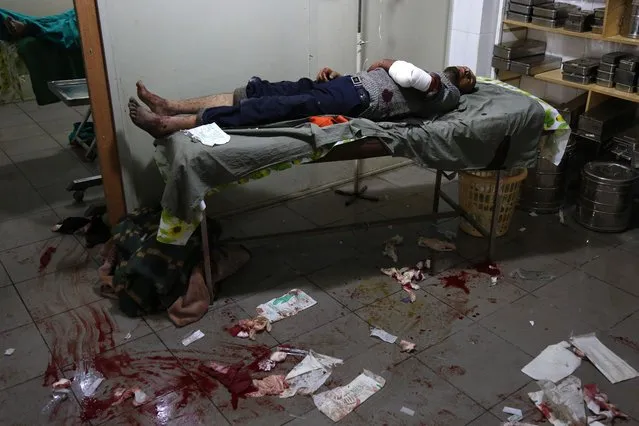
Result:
{"points": [[462, 77]]}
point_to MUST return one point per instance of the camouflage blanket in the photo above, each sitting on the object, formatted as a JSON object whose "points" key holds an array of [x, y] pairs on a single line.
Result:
{"points": [[148, 276]]}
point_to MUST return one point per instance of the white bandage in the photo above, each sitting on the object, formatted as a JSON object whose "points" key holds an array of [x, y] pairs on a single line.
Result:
{"points": [[408, 75]]}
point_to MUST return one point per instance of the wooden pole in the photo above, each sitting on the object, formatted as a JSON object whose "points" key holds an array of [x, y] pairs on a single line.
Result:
{"points": [[97, 80]]}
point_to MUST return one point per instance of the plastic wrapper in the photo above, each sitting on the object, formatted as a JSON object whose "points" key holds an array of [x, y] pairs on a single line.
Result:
{"points": [[87, 381], [285, 306], [531, 275], [196, 335], [339, 402], [384, 335], [57, 398]]}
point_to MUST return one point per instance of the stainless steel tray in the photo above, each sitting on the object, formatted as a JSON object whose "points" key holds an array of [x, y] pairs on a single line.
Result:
{"points": [[609, 68], [519, 17], [605, 82], [625, 88], [614, 57], [554, 10], [581, 66], [535, 64], [531, 2], [548, 22], [628, 78], [501, 64], [71, 92], [519, 49], [520, 8]]}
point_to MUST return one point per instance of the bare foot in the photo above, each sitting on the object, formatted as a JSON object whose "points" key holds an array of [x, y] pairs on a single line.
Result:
{"points": [[147, 120], [15, 28], [157, 104]]}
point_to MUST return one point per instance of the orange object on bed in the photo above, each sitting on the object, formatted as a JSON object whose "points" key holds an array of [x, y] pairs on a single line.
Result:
{"points": [[327, 120]]}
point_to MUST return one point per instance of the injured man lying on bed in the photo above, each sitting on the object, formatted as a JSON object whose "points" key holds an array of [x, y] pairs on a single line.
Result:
{"points": [[389, 89]]}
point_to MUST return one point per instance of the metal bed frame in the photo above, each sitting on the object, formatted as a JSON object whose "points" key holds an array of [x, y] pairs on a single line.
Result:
{"points": [[371, 149]]}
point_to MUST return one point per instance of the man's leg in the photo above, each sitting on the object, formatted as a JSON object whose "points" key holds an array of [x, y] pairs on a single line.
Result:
{"points": [[166, 107], [258, 88], [264, 110], [157, 125]]}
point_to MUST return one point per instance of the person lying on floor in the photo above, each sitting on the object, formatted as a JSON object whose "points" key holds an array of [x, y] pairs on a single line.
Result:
{"points": [[389, 89]]}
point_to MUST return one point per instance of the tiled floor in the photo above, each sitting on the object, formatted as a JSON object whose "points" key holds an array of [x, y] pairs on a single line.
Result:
{"points": [[470, 346]]}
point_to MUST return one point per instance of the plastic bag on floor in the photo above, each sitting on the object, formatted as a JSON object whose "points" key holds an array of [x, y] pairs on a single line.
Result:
{"points": [[310, 374]]}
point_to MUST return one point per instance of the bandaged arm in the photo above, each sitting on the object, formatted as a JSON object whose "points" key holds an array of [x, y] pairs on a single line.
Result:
{"points": [[408, 75]]}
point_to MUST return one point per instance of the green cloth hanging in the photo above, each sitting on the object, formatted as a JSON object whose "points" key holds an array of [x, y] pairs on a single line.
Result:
{"points": [[59, 29]]}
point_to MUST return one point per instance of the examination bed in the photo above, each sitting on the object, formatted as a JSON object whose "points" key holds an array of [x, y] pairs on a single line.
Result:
{"points": [[497, 127]]}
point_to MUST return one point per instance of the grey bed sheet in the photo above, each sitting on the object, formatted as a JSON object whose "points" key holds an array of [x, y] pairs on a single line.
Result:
{"points": [[464, 139]]}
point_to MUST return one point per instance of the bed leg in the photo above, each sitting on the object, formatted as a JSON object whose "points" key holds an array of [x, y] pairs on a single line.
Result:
{"points": [[357, 192], [438, 188], [206, 255], [495, 218]]}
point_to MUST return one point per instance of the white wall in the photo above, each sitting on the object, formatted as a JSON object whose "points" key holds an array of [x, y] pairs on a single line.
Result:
{"points": [[198, 47], [37, 7], [472, 34]]}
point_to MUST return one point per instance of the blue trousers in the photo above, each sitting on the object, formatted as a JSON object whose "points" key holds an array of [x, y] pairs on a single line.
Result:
{"points": [[268, 102]]}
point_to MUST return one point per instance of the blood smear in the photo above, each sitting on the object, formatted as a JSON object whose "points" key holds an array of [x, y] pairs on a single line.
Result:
{"points": [[45, 258], [458, 280]]}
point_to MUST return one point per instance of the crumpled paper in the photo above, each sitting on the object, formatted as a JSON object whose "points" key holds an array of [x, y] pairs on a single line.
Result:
{"points": [[122, 394], [310, 374], [248, 328], [337, 403], [598, 403], [406, 346], [269, 385], [561, 404], [408, 277]]}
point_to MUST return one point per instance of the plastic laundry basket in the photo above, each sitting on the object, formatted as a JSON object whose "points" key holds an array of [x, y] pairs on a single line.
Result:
{"points": [[477, 197]]}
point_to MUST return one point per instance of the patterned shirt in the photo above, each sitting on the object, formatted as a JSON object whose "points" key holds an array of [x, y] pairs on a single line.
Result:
{"points": [[390, 101]]}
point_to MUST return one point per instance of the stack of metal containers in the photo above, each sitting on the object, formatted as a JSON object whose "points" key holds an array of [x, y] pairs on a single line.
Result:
{"points": [[605, 199], [626, 74], [582, 70], [607, 67], [597, 25], [604, 121], [526, 57], [580, 21], [552, 15], [522, 10]]}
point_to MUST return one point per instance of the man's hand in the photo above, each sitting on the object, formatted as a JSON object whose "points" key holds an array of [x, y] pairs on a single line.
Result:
{"points": [[327, 74], [384, 64]]}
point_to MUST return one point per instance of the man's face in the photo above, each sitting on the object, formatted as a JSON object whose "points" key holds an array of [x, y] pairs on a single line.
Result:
{"points": [[467, 79]]}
